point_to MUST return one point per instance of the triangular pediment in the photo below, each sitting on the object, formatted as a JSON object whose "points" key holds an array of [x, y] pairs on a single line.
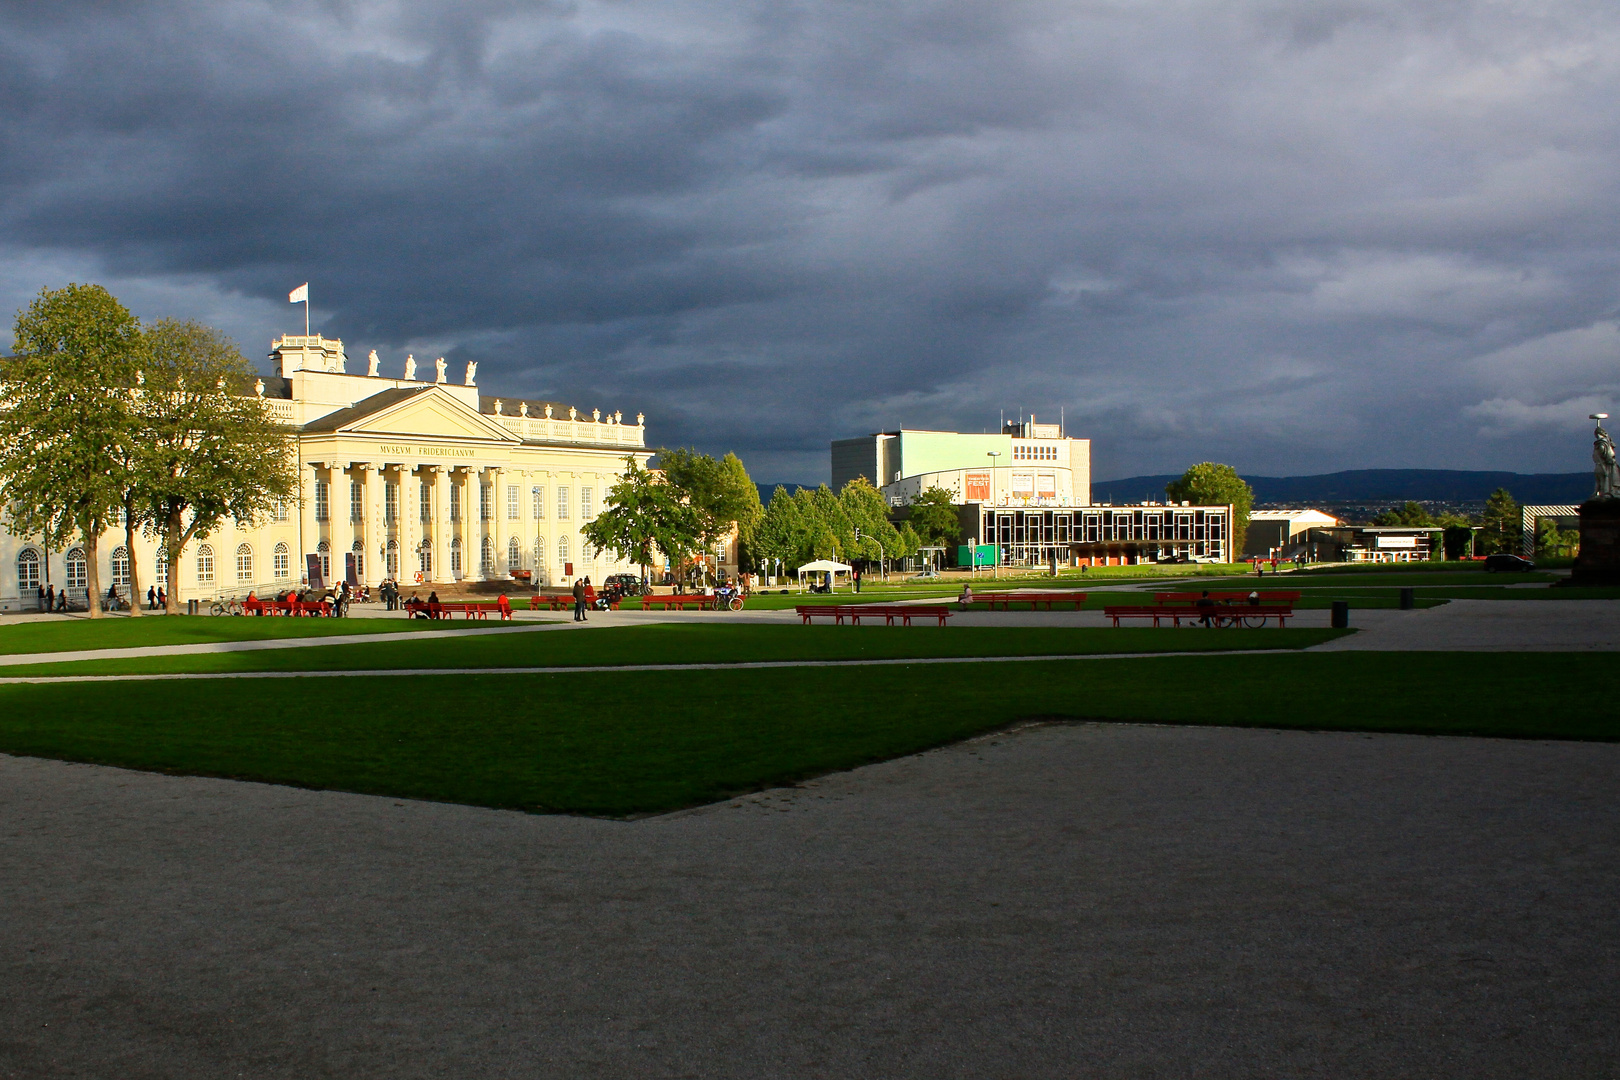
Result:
{"points": [[432, 413]]}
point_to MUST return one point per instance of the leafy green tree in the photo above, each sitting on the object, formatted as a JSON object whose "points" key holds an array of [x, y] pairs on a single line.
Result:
{"points": [[784, 532], [867, 512], [934, 517], [1210, 484], [1411, 514], [65, 414], [910, 542], [644, 513], [1503, 525], [720, 492], [1555, 543], [213, 450]]}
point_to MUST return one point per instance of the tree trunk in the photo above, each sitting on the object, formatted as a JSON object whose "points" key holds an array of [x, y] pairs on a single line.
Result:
{"points": [[92, 575], [174, 538], [134, 573]]}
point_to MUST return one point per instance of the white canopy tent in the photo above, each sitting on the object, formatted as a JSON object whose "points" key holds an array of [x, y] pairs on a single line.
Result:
{"points": [[825, 566]]}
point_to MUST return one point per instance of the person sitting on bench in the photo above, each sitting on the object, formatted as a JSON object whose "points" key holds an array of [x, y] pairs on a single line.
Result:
{"points": [[966, 599], [1205, 606]]}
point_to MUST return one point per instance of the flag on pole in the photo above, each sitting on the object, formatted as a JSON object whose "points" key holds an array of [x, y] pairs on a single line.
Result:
{"points": [[299, 295]]}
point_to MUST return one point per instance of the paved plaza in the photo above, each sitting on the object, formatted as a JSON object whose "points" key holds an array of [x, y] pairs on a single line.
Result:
{"points": [[1066, 900]]}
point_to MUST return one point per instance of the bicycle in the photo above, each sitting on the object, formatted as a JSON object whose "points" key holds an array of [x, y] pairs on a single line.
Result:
{"points": [[227, 607]]}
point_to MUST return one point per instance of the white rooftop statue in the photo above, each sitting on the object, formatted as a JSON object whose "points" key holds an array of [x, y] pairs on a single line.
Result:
{"points": [[472, 372], [410, 368], [523, 408], [371, 364], [440, 364]]}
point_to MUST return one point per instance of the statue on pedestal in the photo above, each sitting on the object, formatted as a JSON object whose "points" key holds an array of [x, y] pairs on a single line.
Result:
{"points": [[371, 364], [1605, 472], [472, 372], [441, 365], [410, 368]]}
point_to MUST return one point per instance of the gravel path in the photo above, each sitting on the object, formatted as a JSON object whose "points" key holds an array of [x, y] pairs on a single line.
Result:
{"points": [[1086, 900]]}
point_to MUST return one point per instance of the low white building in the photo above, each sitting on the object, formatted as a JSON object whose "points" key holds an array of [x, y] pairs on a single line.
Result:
{"points": [[1282, 533]]}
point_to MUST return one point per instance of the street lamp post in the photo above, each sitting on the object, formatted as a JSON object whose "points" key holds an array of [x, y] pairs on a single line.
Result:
{"points": [[995, 567]]}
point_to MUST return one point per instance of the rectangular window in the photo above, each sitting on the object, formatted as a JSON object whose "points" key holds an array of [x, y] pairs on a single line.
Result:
{"points": [[320, 500], [486, 500], [587, 507], [281, 509], [562, 504], [357, 501], [538, 497], [390, 503], [425, 503], [514, 502], [455, 502]]}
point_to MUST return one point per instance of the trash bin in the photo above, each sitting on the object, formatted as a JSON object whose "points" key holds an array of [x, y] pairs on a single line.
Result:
{"points": [[1408, 599], [1341, 614], [193, 607]]}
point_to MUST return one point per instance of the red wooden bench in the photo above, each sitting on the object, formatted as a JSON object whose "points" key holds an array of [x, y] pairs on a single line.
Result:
{"points": [[697, 601], [1266, 596], [1219, 615], [1006, 600], [286, 607], [856, 612], [479, 611], [565, 601]]}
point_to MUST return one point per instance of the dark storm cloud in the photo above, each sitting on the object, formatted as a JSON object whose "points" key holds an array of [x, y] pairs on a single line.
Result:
{"points": [[1291, 237]]}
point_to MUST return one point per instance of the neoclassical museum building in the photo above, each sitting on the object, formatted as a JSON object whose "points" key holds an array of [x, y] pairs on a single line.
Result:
{"points": [[422, 480]]}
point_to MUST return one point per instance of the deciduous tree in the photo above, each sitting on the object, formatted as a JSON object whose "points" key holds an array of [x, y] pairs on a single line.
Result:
{"points": [[935, 517], [1503, 526], [645, 513], [1211, 484], [214, 451], [65, 412]]}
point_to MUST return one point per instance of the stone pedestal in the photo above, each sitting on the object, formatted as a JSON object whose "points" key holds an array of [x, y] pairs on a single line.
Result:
{"points": [[1599, 560]]}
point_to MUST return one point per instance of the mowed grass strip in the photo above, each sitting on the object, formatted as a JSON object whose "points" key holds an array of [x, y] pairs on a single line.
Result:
{"points": [[698, 643], [627, 744], [122, 632]]}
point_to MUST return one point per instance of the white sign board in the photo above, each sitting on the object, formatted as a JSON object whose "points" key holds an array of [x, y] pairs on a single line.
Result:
{"points": [[1397, 541]]}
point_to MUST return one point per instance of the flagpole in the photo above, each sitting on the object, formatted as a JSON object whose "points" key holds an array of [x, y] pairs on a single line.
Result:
{"points": [[306, 309]]}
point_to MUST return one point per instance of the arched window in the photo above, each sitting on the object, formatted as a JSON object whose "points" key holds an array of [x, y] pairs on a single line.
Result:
{"points": [[391, 563], [455, 556], [120, 566], [78, 575], [486, 557], [205, 565], [514, 556], [244, 563], [281, 561], [324, 550], [562, 550], [539, 553], [425, 562], [160, 572], [27, 570], [359, 550]]}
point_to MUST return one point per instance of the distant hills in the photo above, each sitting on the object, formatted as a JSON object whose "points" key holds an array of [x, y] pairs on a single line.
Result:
{"points": [[1376, 485]]}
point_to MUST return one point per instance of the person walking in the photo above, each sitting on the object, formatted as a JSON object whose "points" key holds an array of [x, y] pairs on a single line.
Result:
{"points": [[50, 598], [579, 601], [856, 574], [40, 589], [163, 598], [151, 598]]}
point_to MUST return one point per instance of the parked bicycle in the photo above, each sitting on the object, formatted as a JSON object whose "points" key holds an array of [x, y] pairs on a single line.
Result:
{"points": [[230, 606]]}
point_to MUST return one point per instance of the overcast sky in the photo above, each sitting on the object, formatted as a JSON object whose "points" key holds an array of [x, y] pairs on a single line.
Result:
{"points": [[1296, 237]]}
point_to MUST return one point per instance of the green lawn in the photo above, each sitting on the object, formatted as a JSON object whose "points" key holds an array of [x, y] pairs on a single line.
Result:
{"points": [[675, 643], [125, 633], [643, 742]]}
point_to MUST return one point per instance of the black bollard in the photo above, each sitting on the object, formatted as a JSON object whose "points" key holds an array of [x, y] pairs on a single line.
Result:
{"points": [[1341, 614], [1408, 599]]}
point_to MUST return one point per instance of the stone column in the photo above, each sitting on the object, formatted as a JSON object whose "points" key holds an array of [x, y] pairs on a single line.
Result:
{"points": [[413, 531], [373, 536], [497, 524], [310, 533], [443, 531]]}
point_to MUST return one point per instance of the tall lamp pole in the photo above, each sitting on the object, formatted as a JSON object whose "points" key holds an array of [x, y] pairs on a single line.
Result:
{"points": [[995, 568]]}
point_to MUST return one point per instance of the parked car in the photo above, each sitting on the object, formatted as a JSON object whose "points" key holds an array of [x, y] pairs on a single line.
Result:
{"points": [[1512, 563], [625, 584]]}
